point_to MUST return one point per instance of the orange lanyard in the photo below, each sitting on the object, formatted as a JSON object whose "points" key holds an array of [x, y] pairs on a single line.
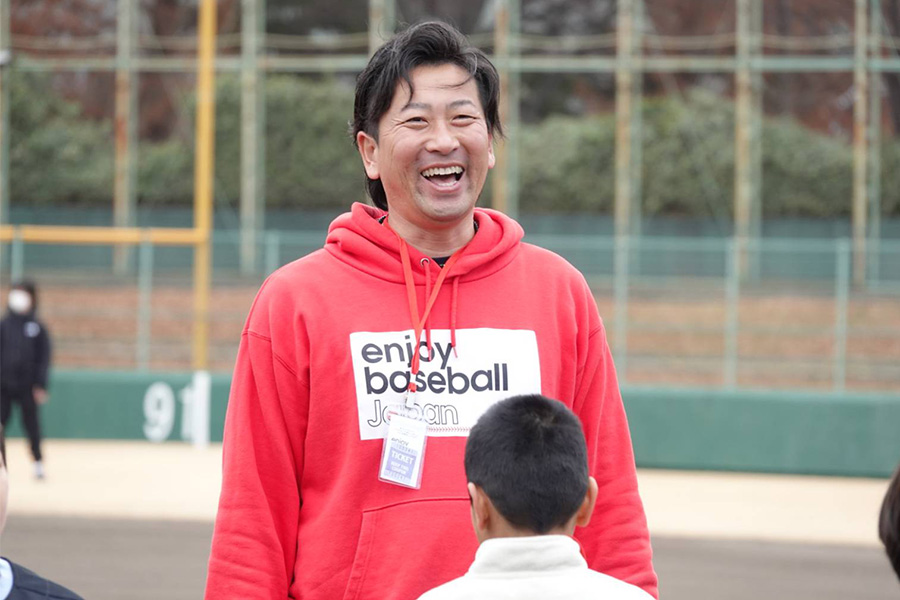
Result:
{"points": [[419, 324]]}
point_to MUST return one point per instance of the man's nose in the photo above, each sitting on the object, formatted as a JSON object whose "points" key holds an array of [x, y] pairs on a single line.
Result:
{"points": [[443, 139]]}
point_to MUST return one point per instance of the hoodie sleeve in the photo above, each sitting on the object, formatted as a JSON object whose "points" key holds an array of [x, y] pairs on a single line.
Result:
{"points": [[254, 543], [42, 358], [617, 541]]}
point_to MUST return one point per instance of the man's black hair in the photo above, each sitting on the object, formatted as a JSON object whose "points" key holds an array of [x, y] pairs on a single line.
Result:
{"points": [[889, 521], [426, 44], [529, 456]]}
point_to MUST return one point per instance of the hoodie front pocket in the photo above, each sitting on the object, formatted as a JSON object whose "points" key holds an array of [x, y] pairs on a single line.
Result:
{"points": [[408, 548]]}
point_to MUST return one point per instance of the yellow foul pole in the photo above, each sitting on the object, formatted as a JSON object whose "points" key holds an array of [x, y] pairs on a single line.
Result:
{"points": [[204, 161]]}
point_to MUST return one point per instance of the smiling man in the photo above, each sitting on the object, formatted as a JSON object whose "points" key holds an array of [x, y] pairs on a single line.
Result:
{"points": [[418, 315], [431, 151]]}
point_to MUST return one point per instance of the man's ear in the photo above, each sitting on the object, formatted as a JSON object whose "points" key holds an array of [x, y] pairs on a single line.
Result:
{"points": [[583, 516], [492, 159], [481, 514], [368, 150]]}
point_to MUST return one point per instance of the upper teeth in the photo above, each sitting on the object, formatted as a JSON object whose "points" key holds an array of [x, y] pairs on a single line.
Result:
{"points": [[442, 171]]}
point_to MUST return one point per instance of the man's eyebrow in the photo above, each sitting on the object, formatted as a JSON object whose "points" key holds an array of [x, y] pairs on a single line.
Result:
{"points": [[425, 106], [463, 102], [415, 105]]}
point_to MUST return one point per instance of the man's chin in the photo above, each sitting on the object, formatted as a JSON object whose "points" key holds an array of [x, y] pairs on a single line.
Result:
{"points": [[449, 216]]}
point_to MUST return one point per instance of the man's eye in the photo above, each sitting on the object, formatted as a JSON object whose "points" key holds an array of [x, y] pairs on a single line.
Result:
{"points": [[464, 118], [415, 120]]}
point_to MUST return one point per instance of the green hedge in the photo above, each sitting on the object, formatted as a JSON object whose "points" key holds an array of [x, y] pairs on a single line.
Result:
{"points": [[310, 160], [567, 164], [55, 155]]}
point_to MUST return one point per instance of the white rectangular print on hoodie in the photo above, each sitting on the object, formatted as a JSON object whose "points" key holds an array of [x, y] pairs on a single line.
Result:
{"points": [[454, 388]]}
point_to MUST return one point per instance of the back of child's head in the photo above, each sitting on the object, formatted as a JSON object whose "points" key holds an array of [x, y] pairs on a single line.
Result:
{"points": [[529, 456]]}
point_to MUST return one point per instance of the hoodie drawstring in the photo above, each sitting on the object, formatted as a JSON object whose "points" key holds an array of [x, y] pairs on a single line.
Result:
{"points": [[419, 324], [426, 262], [453, 303]]}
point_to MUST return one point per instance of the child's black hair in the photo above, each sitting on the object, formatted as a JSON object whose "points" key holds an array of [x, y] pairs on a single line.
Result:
{"points": [[529, 456]]}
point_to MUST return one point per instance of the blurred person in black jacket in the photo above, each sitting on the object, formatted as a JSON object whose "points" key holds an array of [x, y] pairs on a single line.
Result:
{"points": [[889, 522], [24, 362], [17, 582]]}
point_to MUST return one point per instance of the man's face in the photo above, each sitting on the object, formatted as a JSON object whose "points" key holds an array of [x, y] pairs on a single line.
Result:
{"points": [[433, 150]]}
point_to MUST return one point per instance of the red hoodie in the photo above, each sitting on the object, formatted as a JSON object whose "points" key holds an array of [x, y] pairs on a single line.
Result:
{"points": [[326, 348]]}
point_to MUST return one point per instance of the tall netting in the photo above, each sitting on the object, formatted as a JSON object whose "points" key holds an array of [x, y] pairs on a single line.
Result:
{"points": [[698, 161]]}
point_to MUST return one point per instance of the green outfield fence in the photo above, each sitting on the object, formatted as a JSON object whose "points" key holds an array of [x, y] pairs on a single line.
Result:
{"points": [[778, 432]]}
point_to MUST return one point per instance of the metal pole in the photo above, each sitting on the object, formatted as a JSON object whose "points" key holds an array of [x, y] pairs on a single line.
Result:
{"points": [[875, 87], [17, 257], [390, 17], [756, 153], [732, 313], [841, 302], [624, 108], [204, 163], [125, 129], [636, 126], [5, 74], [620, 291], [273, 251], [635, 134], [743, 173], [201, 386], [353, 63], [145, 305], [500, 199], [624, 175], [860, 173], [512, 111], [253, 106], [376, 24]]}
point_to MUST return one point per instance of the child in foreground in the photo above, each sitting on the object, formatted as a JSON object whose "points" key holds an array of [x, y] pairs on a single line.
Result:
{"points": [[17, 582], [526, 463]]}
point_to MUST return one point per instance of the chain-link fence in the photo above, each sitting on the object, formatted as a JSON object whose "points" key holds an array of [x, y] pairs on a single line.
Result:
{"points": [[709, 312]]}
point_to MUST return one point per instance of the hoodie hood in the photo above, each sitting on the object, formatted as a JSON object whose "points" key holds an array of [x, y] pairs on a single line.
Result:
{"points": [[358, 239]]}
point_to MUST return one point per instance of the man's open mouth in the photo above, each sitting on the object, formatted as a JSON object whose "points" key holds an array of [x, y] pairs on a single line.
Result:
{"points": [[443, 175]]}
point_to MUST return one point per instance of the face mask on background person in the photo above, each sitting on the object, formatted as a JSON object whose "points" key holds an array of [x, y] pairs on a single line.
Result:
{"points": [[19, 301]]}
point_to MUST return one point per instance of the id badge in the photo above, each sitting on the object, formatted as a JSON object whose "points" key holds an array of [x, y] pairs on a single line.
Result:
{"points": [[403, 453]]}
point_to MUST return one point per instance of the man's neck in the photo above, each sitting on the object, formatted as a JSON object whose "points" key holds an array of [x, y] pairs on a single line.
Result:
{"points": [[434, 242]]}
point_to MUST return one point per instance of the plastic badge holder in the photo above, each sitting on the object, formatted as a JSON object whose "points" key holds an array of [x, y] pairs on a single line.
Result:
{"points": [[403, 452]]}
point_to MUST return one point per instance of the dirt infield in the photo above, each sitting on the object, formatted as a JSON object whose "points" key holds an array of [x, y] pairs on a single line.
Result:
{"points": [[172, 481], [133, 521], [109, 559]]}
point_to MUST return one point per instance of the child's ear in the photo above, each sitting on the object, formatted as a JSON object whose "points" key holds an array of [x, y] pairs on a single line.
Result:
{"points": [[583, 516], [481, 514]]}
